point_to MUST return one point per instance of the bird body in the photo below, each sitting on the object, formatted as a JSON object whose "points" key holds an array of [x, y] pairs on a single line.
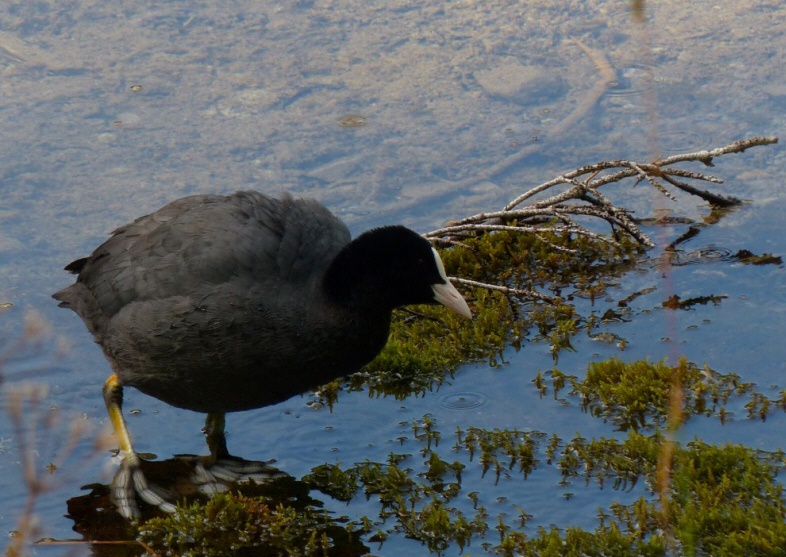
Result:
{"points": [[225, 303], [219, 303]]}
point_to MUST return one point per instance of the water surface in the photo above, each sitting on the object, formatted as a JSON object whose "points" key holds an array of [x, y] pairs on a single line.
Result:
{"points": [[382, 112]]}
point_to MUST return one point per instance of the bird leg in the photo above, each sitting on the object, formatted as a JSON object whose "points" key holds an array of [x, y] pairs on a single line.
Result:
{"points": [[129, 479], [220, 470], [216, 440], [208, 475]]}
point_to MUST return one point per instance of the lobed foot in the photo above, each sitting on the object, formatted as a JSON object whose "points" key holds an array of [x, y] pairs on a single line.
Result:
{"points": [[161, 484]]}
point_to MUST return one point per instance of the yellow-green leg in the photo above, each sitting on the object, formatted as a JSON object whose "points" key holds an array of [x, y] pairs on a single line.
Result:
{"points": [[220, 470], [113, 398], [212, 474], [129, 479]]}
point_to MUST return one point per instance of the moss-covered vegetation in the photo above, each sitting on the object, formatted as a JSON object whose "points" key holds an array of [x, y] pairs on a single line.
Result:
{"points": [[635, 395], [517, 449], [723, 500], [237, 525], [750, 258]]}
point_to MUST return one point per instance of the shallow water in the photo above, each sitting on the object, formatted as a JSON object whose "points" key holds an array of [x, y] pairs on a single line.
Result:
{"points": [[383, 112]]}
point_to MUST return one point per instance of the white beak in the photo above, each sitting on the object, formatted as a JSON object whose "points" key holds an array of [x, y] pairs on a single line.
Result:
{"points": [[446, 294]]}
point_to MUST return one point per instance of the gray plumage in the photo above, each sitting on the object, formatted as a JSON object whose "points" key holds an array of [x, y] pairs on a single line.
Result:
{"points": [[225, 303]]}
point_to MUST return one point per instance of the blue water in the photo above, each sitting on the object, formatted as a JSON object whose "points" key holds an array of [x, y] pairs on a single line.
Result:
{"points": [[110, 111]]}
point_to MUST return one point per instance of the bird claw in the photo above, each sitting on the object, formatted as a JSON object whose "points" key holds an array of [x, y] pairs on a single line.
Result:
{"points": [[208, 477], [129, 483], [233, 470], [220, 475]]}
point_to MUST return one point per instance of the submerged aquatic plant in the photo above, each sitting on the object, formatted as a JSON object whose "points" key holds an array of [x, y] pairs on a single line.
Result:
{"points": [[237, 525], [636, 395], [725, 500]]}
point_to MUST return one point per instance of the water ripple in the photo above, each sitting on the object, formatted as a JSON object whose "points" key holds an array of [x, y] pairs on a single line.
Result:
{"points": [[462, 401], [703, 256]]}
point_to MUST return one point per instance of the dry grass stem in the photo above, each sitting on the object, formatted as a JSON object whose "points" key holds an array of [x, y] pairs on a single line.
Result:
{"points": [[38, 429]]}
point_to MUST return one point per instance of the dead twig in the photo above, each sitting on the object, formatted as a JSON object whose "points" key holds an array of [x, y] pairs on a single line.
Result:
{"points": [[557, 213], [506, 290]]}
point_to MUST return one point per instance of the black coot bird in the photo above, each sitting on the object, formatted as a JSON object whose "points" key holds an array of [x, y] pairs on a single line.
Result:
{"points": [[225, 303]]}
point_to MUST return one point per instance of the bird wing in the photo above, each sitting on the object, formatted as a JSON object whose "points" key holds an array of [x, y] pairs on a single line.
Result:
{"points": [[199, 242]]}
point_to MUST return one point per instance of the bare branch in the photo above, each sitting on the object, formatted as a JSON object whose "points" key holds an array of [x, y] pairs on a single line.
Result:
{"points": [[693, 175], [652, 181], [575, 198], [504, 289], [707, 156], [714, 198]]}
